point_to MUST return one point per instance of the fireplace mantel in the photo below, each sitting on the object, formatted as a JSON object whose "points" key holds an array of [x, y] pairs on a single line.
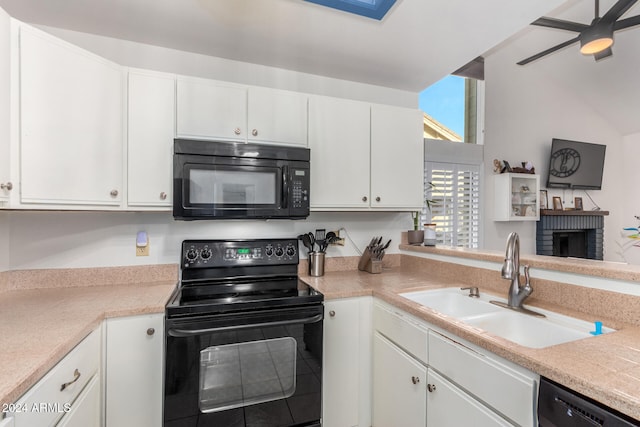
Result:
{"points": [[571, 212]]}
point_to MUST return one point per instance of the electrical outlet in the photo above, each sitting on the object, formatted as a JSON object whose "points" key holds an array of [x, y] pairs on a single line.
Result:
{"points": [[142, 244], [142, 250], [340, 241]]}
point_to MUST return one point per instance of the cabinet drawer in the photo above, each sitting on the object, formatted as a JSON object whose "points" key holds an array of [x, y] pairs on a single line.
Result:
{"points": [[402, 330], [45, 402], [85, 411], [508, 391]]}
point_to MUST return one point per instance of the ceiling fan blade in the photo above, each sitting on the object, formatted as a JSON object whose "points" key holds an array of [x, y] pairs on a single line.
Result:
{"points": [[617, 10], [604, 54], [560, 24], [626, 23], [548, 51]]}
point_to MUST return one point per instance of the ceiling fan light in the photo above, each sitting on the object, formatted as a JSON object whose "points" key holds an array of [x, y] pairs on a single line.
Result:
{"points": [[596, 39], [596, 45]]}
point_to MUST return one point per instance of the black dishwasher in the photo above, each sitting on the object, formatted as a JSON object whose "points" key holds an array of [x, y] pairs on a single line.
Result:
{"points": [[559, 406]]}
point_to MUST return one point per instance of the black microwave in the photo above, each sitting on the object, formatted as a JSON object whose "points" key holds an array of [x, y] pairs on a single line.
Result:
{"points": [[230, 180]]}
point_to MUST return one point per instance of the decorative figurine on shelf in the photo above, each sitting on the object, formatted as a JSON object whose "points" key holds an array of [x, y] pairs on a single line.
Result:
{"points": [[497, 166], [527, 167]]}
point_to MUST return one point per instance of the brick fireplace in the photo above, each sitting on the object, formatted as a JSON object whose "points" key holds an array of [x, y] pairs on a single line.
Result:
{"points": [[577, 234]]}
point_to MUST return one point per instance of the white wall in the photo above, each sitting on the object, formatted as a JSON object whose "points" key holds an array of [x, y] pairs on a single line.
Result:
{"points": [[525, 109], [4, 241], [631, 148], [102, 239], [140, 55]]}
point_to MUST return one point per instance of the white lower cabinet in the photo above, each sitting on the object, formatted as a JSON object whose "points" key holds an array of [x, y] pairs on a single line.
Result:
{"points": [[398, 386], [134, 371], [63, 391], [422, 377], [87, 410], [449, 406], [346, 386]]}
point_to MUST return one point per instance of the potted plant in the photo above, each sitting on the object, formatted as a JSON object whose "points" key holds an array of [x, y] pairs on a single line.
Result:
{"points": [[416, 236]]}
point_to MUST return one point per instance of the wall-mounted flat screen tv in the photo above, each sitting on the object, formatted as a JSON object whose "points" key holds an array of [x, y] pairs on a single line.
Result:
{"points": [[576, 165]]}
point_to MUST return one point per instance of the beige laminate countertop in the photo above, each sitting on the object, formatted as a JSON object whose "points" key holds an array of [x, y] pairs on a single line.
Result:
{"points": [[605, 368], [39, 326]]}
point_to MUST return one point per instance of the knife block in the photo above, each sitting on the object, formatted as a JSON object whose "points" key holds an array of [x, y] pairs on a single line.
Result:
{"points": [[369, 265]]}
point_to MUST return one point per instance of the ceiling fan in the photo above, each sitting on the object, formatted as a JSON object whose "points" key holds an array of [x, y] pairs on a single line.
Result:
{"points": [[596, 38]]}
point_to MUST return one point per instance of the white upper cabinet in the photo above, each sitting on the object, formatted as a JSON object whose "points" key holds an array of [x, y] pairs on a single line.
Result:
{"points": [[208, 109], [71, 118], [339, 139], [277, 116], [5, 105], [151, 129], [365, 157], [397, 158]]}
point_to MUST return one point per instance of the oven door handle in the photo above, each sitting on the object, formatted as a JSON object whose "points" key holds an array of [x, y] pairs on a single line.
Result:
{"points": [[178, 333]]}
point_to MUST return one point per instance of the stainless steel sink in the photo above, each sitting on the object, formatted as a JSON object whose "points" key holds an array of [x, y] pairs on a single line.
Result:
{"points": [[523, 329]]}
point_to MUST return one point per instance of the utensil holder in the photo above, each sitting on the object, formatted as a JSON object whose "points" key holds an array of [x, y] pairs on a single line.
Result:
{"points": [[316, 264]]}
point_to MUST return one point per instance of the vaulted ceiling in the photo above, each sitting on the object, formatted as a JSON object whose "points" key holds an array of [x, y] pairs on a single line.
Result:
{"points": [[416, 44]]}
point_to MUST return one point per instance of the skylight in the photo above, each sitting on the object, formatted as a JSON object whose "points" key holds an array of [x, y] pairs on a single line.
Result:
{"points": [[374, 9]]}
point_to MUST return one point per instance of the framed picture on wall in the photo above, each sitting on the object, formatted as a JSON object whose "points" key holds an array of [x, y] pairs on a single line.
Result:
{"points": [[557, 203], [577, 203], [544, 200]]}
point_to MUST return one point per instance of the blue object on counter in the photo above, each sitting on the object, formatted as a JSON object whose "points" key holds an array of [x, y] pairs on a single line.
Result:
{"points": [[598, 330]]}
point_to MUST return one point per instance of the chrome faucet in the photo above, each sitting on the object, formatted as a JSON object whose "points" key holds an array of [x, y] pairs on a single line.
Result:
{"points": [[511, 271]]}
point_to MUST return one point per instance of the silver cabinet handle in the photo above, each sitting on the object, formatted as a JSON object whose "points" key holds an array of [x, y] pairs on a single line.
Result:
{"points": [[8, 186], [237, 131], [378, 199], [76, 377], [114, 193], [254, 132], [415, 380], [332, 313], [364, 199], [431, 387], [163, 196], [151, 331]]}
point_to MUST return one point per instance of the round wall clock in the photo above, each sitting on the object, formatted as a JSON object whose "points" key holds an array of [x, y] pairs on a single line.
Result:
{"points": [[564, 162]]}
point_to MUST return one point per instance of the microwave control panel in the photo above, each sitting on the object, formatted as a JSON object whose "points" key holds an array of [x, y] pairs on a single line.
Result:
{"points": [[300, 189]]}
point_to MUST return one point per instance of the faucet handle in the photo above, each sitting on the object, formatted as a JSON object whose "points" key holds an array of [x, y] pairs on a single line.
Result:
{"points": [[473, 291], [527, 285]]}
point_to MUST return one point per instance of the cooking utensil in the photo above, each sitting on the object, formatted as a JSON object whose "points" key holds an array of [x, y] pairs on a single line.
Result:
{"points": [[312, 239], [306, 241]]}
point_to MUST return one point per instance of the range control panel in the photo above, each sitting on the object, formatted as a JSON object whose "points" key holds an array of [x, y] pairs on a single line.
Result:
{"points": [[238, 253]]}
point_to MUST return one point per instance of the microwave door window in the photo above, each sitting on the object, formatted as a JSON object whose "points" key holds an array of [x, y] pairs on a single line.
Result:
{"points": [[232, 188]]}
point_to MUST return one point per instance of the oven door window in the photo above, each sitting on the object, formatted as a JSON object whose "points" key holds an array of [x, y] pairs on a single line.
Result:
{"points": [[238, 187], [237, 375]]}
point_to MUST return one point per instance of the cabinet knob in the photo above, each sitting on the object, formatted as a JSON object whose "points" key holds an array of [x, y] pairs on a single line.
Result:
{"points": [[254, 132], [431, 387], [364, 199], [332, 313], [415, 380], [114, 193], [237, 131], [378, 199], [163, 196], [8, 186], [151, 331]]}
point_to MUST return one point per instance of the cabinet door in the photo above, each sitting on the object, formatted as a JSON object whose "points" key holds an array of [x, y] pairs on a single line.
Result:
{"points": [[342, 364], [277, 116], [448, 406], [85, 411], [399, 387], [71, 136], [516, 197], [339, 138], [134, 374], [211, 110], [151, 128], [5, 105], [397, 158]]}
